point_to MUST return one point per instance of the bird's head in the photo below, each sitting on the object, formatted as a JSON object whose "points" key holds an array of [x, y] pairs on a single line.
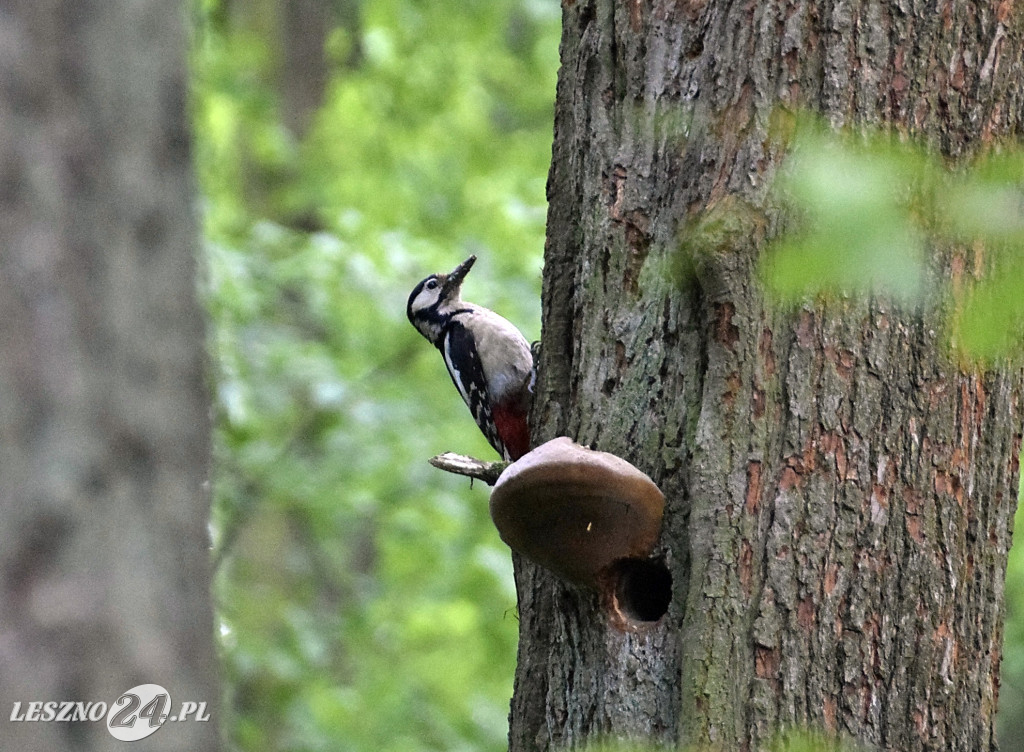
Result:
{"points": [[435, 298]]}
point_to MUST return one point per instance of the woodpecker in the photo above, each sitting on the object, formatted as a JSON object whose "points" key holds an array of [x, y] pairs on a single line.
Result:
{"points": [[489, 360]]}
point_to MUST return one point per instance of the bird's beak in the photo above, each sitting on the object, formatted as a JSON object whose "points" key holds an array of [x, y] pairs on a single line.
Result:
{"points": [[454, 280]]}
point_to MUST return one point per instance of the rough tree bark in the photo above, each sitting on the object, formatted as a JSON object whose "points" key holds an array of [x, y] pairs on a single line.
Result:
{"points": [[840, 495], [104, 431]]}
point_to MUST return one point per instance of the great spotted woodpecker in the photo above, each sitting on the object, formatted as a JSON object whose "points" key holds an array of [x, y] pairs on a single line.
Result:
{"points": [[489, 360]]}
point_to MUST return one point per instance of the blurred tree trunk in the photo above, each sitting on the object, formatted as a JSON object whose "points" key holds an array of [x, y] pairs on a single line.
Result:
{"points": [[295, 64], [839, 494], [300, 66], [104, 431], [305, 66], [304, 70]]}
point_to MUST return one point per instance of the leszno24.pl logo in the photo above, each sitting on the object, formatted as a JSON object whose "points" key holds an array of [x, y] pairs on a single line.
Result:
{"points": [[136, 714]]}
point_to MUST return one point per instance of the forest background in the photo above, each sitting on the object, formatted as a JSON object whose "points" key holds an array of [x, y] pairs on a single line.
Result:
{"points": [[344, 150]]}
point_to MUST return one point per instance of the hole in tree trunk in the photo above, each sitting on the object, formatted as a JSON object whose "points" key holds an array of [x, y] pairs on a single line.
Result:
{"points": [[640, 591]]}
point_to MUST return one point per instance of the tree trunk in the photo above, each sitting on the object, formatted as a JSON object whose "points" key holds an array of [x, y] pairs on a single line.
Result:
{"points": [[839, 494], [104, 430]]}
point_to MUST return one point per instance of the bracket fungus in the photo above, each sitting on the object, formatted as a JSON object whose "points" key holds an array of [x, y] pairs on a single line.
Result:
{"points": [[578, 512]]}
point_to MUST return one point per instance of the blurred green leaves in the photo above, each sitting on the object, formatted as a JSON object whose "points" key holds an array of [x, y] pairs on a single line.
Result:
{"points": [[867, 212], [986, 208], [791, 740], [365, 600], [854, 229]]}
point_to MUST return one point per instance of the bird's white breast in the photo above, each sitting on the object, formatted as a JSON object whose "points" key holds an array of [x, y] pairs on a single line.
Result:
{"points": [[504, 352]]}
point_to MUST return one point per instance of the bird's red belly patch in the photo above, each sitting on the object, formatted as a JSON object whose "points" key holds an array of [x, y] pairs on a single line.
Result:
{"points": [[513, 430]]}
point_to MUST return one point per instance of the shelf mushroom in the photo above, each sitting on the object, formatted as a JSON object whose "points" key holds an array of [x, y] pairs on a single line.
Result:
{"points": [[576, 511]]}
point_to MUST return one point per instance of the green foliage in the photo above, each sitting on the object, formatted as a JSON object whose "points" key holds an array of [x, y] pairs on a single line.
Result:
{"points": [[866, 208], [618, 745], [987, 208], [804, 740], [365, 600], [855, 230], [1011, 692], [792, 740]]}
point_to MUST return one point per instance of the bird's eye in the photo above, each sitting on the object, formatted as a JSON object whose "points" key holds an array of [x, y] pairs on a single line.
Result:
{"points": [[432, 284]]}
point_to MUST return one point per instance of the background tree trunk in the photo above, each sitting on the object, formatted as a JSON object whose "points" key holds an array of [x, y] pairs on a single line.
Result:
{"points": [[104, 430], [839, 495]]}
